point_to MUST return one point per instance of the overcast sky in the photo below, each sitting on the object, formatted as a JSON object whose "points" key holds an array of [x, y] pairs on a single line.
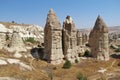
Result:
{"points": [[83, 12]]}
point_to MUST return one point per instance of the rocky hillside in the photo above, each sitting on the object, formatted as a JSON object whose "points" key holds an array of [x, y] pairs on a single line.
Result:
{"points": [[25, 30], [114, 32]]}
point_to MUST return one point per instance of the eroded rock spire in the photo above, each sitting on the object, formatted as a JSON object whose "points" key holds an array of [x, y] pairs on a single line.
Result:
{"points": [[53, 39], [98, 40]]}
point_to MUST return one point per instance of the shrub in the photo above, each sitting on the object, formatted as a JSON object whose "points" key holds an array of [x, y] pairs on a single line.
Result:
{"points": [[30, 40], [87, 53], [117, 50], [119, 64], [76, 61], [67, 64], [81, 77], [79, 54]]}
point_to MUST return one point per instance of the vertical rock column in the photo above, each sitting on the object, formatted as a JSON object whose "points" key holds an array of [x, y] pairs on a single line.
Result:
{"points": [[53, 39], [2, 40], [69, 39]]}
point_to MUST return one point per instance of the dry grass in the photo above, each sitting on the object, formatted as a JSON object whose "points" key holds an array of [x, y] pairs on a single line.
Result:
{"points": [[44, 71]]}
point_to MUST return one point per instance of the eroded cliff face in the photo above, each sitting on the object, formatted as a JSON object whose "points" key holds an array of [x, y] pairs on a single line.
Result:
{"points": [[13, 35]]}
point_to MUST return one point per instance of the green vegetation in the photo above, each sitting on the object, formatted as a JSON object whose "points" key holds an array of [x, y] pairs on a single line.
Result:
{"points": [[76, 61], [87, 53], [117, 50], [30, 40], [81, 77], [79, 54], [67, 64]]}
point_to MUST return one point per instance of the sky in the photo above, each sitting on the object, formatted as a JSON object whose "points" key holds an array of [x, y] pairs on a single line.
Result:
{"points": [[83, 12]]}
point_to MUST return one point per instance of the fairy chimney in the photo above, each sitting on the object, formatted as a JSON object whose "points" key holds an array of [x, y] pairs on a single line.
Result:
{"points": [[53, 39], [98, 40], [69, 39]]}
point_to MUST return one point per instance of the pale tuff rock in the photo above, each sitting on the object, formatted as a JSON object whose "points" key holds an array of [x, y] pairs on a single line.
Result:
{"points": [[60, 43], [3, 28], [53, 39], [79, 38], [17, 42], [98, 40], [2, 39], [84, 39], [3, 62], [12, 36], [25, 31], [70, 39]]}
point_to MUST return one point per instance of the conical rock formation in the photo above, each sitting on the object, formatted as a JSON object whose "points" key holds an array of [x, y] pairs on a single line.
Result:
{"points": [[53, 39], [98, 40]]}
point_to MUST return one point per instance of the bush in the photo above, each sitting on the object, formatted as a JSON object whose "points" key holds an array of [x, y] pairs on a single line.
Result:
{"points": [[30, 40], [87, 53], [119, 64], [67, 64], [81, 77], [79, 54], [76, 61], [117, 50]]}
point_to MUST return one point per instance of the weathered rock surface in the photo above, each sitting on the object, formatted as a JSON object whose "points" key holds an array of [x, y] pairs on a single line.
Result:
{"points": [[2, 62], [53, 39], [98, 40], [12, 36], [61, 43], [70, 39]]}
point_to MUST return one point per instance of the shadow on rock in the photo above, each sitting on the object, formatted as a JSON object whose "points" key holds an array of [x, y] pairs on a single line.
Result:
{"points": [[117, 56], [37, 53]]}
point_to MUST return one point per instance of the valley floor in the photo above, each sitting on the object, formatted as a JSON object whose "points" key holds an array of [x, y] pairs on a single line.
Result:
{"points": [[91, 68]]}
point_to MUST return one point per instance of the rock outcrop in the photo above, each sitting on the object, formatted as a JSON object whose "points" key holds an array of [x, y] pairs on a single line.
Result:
{"points": [[70, 39], [17, 42], [25, 31], [53, 39], [79, 38], [98, 40], [13, 34]]}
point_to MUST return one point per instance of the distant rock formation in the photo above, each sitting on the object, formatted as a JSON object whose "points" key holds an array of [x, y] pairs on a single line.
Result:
{"points": [[79, 38], [53, 39], [17, 42], [13, 35], [98, 40], [25, 31]]}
